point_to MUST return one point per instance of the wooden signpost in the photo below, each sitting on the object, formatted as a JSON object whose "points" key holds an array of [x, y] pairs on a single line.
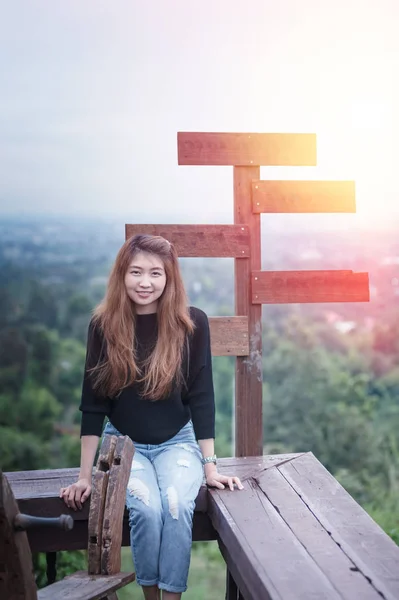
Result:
{"points": [[241, 336]]}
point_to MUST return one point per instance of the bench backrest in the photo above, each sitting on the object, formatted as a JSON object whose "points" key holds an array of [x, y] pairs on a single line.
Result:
{"points": [[17, 580], [107, 504]]}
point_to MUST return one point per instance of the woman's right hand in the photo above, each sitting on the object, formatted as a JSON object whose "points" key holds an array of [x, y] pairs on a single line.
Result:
{"points": [[76, 494]]}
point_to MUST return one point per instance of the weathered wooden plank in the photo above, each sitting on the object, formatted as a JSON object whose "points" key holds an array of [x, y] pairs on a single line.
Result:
{"points": [[250, 463], [95, 524], [97, 503], [35, 484], [115, 506], [269, 556], [363, 541], [229, 336], [286, 287], [259, 469], [248, 389], [341, 571], [303, 197], [81, 586], [38, 493], [247, 149], [106, 454], [238, 555], [47, 502], [217, 241], [16, 572], [41, 475], [50, 540]]}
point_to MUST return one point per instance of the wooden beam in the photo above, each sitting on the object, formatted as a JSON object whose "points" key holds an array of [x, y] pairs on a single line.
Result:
{"points": [[288, 287], [97, 504], [345, 575], [217, 241], [114, 509], [248, 390], [247, 149], [231, 587], [370, 549], [16, 574], [260, 550], [229, 336], [37, 494], [81, 586], [303, 197]]}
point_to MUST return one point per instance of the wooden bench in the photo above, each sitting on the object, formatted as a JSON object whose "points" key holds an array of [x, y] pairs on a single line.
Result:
{"points": [[104, 535], [294, 532]]}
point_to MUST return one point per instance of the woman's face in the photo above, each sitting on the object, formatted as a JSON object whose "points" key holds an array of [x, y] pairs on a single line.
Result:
{"points": [[145, 282]]}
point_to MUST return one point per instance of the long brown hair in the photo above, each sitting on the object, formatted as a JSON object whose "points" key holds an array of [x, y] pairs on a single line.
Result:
{"points": [[116, 318]]}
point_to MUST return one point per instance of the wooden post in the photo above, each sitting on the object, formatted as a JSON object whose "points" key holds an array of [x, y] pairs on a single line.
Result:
{"points": [[231, 587], [246, 153], [248, 396]]}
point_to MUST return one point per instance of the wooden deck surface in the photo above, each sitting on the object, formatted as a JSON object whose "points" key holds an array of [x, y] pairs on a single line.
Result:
{"points": [[292, 533]]}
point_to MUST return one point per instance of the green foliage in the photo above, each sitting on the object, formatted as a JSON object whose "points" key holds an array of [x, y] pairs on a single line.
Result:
{"points": [[207, 576], [42, 305], [21, 451], [385, 511], [13, 359], [35, 411], [67, 563]]}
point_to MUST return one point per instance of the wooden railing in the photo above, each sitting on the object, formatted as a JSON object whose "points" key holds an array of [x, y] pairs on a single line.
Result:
{"points": [[293, 532]]}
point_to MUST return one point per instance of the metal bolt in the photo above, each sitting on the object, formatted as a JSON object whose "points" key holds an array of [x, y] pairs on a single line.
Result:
{"points": [[256, 279]]}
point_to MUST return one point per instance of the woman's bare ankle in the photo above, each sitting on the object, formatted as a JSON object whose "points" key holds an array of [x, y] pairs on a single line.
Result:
{"points": [[151, 592], [170, 596]]}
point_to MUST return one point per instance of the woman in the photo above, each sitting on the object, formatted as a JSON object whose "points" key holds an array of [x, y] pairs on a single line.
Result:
{"points": [[149, 370]]}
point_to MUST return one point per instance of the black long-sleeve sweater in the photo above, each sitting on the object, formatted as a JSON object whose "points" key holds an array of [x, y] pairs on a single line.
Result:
{"points": [[154, 422]]}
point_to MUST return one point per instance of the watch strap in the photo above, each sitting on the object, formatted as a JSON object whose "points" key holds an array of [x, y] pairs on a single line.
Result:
{"points": [[209, 459]]}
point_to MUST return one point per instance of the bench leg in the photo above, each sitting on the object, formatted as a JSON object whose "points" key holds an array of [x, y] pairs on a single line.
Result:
{"points": [[51, 570], [231, 587]]}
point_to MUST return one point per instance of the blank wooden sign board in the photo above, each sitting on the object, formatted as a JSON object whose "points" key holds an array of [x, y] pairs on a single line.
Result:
{"points": [[241, 336]]}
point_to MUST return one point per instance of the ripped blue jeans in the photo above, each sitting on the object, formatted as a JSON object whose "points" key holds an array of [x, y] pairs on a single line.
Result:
{"points": [[164, 482]]}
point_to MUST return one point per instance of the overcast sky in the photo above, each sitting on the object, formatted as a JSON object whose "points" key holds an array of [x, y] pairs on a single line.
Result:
{"points": [[93, 93]]}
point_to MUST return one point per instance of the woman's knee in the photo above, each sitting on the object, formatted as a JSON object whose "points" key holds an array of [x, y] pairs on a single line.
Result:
{"points": [[141, 500], [140, 512], [178, 507]]}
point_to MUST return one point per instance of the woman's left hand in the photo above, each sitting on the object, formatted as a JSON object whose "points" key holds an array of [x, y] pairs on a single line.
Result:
{"points": [[215, 479]]}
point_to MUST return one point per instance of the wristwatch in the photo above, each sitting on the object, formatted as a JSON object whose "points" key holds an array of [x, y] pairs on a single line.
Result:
{"points": [[209, 459]]}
